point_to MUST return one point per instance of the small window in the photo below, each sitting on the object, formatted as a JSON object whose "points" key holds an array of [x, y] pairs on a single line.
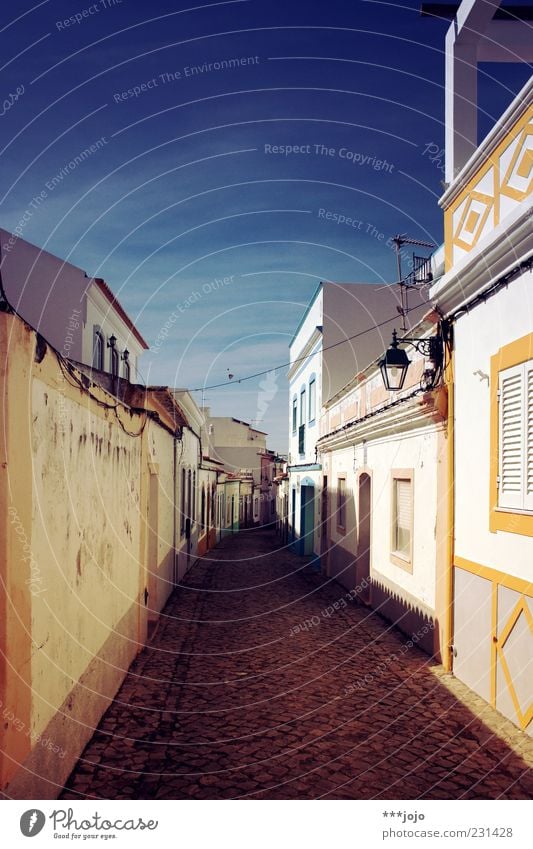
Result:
{"points": [[126, 370], [98, 349], [312, 399], [294, 415], [341, 503], [302, 407], [402, 518]]}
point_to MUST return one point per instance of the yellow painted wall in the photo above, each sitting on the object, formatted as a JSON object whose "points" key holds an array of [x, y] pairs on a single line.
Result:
{"points": [[85, 530], [75, 491]]}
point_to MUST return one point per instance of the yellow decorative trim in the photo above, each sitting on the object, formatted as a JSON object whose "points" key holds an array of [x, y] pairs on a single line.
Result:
{"points": [[480, 219], [519, 585], [516, 352], [520, 608], [498, 642], [521, 159]]}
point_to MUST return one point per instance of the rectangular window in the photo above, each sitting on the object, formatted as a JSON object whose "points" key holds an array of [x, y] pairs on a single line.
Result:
{"points": [[302, 407], [294, 415], [402, 518], [515, 428], [312, 400], [341, 503]]}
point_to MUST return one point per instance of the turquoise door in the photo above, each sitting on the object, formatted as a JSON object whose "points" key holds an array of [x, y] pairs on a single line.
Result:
{"points": [[307, 519]]}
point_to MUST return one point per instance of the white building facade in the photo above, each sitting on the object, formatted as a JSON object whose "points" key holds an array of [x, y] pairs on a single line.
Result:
{"points": [[487, 293], [344, 328]]}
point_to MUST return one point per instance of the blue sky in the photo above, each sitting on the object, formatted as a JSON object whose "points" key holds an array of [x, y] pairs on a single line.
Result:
{"points": [[213, 237]]}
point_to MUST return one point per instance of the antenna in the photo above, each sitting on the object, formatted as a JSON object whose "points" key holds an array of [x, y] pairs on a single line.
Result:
{"points": [[399, 240]]}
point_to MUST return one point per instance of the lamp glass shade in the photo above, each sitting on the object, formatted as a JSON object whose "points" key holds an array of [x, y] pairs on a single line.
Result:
{"points": [[394, 367]]}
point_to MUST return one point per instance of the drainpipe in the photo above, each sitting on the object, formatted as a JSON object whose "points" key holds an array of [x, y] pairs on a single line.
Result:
{"points": [[447, 654]]}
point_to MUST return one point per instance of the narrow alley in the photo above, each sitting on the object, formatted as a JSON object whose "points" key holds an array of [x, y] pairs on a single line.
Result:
{"points": [[266, 680]]}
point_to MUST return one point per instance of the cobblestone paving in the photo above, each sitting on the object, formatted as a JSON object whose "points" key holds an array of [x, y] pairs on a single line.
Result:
{"points": [[233, 700]]}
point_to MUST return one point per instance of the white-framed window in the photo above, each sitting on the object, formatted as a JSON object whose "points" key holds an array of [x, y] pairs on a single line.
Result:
{"points": [[402, 518], [302, 406], [294, 414], [312, 399], [515, 432]]}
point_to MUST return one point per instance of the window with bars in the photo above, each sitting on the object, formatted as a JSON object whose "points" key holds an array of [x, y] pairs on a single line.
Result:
{"points": [[515, 437], [402, 518]]}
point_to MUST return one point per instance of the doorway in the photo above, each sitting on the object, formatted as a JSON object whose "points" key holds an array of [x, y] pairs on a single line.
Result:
{"points": [[364, 530], [324, 527], [307, 519], [293, 516]]}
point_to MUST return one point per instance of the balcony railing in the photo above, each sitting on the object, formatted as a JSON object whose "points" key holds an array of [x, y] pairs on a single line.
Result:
{"points": [[301, 439], [421, 273]]}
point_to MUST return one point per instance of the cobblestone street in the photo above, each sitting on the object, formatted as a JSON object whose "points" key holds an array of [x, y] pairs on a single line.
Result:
{"points": [[232, 699]]}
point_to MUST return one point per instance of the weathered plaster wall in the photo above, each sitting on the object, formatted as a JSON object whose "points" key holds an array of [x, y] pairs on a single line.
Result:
{"points": [[74, 507], [86, 531], [162, 521]]}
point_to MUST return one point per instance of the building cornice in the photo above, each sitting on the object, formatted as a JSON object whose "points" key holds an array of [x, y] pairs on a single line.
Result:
{"points": [[407, 414], [494, 256], [305, 467]]}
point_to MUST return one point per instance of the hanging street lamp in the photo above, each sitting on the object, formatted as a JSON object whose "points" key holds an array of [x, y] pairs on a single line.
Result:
{"points": [[395, 362]]}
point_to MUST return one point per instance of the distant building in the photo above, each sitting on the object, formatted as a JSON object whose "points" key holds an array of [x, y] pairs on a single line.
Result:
{"points": [[344, 328], [78, 315], [233, 442]]}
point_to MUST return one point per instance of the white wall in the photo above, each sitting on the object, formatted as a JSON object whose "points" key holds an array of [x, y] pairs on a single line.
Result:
{"points": [[102, 314], [416, 450], [479, 334], [188, 459], [312, 365]]}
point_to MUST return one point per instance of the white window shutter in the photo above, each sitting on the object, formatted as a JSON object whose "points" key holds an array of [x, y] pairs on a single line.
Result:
{"points": [[511, 437], [528, 448], [403, 503]]}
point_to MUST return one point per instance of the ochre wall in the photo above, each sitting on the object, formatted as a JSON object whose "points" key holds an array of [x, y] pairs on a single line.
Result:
{"points": [[74, 500]]}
